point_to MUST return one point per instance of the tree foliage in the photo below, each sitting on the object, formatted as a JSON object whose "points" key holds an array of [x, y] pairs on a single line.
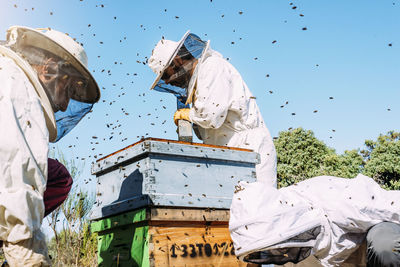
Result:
{"points": [[301, 155], [382, 159]]}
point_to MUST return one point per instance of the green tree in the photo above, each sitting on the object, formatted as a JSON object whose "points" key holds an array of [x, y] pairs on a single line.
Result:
{"points": [[301, 155], [382, 159], [346, 165]]}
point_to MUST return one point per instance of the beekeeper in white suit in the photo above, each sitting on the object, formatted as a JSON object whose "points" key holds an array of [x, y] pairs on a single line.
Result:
{"points": [[326, 218], [45, 90], [223, 109]]}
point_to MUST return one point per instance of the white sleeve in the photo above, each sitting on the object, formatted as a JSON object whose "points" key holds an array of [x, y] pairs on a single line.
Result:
{"points": [[23, 150], [213, 95]]}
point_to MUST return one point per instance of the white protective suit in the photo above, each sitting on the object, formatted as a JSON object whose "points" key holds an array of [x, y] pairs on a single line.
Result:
{"points": [[227, 114], [32, 113], [329, 215], [23, 163], [224, 111]]}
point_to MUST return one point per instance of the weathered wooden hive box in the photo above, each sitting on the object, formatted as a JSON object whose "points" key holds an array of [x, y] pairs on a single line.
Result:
{"points": [[166, 173], [166, 237]]}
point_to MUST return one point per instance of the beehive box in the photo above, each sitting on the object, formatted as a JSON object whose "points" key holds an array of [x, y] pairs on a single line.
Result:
{"points": [[158, 237], [157, 172]]}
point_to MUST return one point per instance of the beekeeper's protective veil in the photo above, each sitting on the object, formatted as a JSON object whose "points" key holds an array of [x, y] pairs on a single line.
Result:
{"points": [[176, 64], [61, 66]]}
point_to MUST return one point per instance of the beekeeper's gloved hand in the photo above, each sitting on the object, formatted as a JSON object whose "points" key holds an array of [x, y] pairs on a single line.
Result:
{"points": [[181, 114]]}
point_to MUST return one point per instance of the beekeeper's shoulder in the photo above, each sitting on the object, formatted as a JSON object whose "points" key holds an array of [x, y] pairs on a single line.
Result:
{"points": [[8, 68]]}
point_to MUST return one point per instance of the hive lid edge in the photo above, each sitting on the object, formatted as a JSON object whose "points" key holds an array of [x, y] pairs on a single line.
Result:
{"points": [[174, 142]]}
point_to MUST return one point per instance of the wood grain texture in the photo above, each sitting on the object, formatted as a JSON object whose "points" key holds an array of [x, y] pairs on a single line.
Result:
{"points": [[192, 246], [185, 214]]}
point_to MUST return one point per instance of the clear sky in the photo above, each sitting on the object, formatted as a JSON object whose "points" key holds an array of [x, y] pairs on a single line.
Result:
{"points": [[311, 50]]}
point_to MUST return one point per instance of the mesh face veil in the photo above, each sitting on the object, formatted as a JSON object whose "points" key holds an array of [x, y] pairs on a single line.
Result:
{"points": [[65, 87], [179, 74], [57, 67], [294, 249]]}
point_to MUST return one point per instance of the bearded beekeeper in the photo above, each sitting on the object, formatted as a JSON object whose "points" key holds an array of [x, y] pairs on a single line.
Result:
{"points": [[322, 220], [45, 90], [224, 112]]}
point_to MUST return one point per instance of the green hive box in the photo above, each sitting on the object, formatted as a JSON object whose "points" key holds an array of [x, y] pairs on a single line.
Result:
{"points": [[120, 243], [158, 237]]}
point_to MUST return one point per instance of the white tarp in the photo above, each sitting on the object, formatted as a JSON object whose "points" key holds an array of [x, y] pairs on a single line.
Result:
{"points": [[342, 210]]}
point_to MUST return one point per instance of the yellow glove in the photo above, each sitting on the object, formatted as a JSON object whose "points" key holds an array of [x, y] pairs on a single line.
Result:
{"points": [[181, 114]]}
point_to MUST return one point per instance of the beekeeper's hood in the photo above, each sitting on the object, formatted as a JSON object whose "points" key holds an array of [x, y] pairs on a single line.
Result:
{"points": [[61, 66], [277, 230], [190, 48]]}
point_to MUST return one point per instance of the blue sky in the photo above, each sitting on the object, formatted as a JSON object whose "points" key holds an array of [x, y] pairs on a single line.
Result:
{"points": [[344, 53]]}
